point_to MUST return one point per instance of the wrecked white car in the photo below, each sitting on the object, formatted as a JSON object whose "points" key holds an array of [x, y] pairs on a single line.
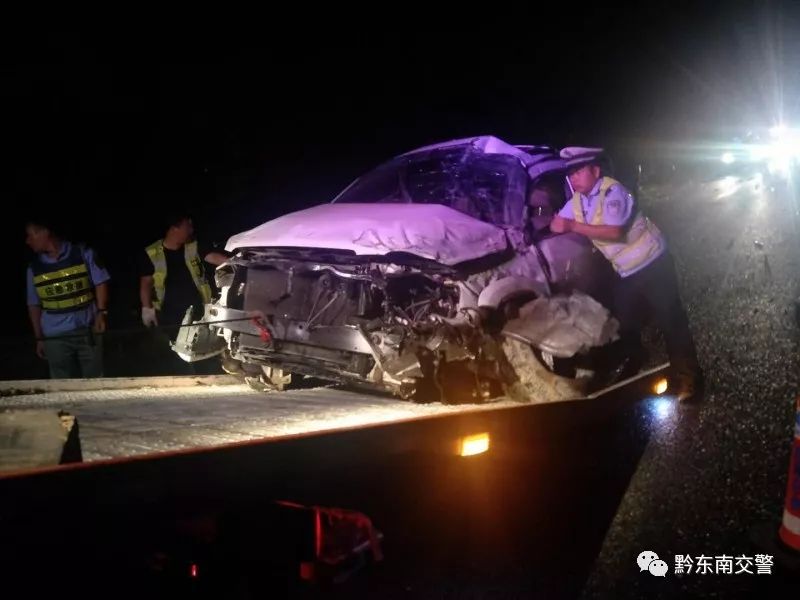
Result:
{"points": [[425, 278]]}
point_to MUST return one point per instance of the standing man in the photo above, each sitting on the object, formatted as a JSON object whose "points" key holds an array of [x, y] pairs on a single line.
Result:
{"points": [[605, 212], [173, 277], [67, 303]]}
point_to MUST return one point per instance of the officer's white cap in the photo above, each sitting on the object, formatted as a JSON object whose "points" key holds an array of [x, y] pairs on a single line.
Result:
{"points": [[577, 156], [544, 164]]}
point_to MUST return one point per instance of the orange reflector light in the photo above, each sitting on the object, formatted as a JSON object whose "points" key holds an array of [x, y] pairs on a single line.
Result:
{"points": [[474, 444], [661, 386]]}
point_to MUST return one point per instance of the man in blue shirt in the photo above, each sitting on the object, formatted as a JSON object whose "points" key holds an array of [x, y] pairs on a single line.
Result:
{"points": [[67, 303], [605, 212]]}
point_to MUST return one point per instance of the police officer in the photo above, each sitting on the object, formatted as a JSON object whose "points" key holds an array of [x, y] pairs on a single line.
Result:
{"points": [[605, 212], [67, 303], [172, 277]]}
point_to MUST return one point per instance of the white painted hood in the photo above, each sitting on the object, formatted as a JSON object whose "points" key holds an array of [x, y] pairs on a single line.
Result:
{"points": [[431, 231]]}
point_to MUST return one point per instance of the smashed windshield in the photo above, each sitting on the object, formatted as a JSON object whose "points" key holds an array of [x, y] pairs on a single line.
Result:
{"points": [[489, 187]]}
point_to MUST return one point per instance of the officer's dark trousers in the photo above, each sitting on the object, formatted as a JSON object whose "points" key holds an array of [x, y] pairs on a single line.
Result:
{"points": [[76, 353], [654, 289]]}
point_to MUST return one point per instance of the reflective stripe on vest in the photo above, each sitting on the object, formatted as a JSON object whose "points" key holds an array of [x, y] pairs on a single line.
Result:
{"points": [[67, 287], [156, 253], [643, 243]]}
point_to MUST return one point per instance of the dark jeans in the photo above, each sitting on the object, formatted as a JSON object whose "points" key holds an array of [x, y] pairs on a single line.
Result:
{"points": [[78, 353], [656, 288]]}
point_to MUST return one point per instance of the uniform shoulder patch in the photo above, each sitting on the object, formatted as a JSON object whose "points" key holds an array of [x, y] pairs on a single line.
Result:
{"points": [[614, 206]]}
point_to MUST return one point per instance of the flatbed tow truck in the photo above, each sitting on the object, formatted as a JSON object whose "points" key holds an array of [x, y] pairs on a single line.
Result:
{"points": [[190, 485]]}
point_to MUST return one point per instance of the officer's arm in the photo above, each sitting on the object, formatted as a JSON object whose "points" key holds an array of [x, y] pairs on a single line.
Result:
{"points": [[146, 291], [101, 295], [603, 233], [215, 258], [35, 314], [616, 217], [34, 308]]}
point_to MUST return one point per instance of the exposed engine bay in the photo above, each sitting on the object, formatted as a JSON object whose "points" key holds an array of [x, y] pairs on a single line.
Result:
{"points": [[420, 279], [416, 329]]}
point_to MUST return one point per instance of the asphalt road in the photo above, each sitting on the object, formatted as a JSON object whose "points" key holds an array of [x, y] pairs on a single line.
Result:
{"points": [[712, 472]]}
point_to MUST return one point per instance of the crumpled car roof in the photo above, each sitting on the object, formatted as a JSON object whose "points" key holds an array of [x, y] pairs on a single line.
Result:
{"points": [[488, 144], [431, 231]]}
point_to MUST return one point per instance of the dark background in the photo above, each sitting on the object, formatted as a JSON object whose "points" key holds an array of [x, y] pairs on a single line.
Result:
{"points": [[241, 127]]}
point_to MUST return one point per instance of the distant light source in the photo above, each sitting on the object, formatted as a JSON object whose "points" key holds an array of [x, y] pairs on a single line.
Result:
{"points": [[193, 570], [728, 158], [727, 186], [661, 386], [780, 166], [474, 444], [777, 131]]}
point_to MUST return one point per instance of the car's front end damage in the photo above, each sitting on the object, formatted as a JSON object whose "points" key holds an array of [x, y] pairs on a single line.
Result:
{"points": [[423, 300], [385, 324]]}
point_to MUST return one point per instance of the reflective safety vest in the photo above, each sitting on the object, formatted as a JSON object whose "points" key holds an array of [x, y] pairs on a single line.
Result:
{"points": [[193, 262], [644, 241], [63, 286]]}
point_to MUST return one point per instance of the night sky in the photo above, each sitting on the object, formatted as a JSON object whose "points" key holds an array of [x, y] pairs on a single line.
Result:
{"points": [[108, 135]]}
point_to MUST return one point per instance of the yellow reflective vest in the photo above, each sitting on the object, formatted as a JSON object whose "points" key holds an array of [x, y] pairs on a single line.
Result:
{"points": [[193, 262], [644, 241], [64, 286]]}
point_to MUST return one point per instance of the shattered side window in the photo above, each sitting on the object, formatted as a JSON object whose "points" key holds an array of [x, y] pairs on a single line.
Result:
{"points": [[489, 187]]}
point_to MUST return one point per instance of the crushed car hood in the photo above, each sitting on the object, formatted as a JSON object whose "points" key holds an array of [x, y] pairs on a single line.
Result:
{"points": [[431, 231]]}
